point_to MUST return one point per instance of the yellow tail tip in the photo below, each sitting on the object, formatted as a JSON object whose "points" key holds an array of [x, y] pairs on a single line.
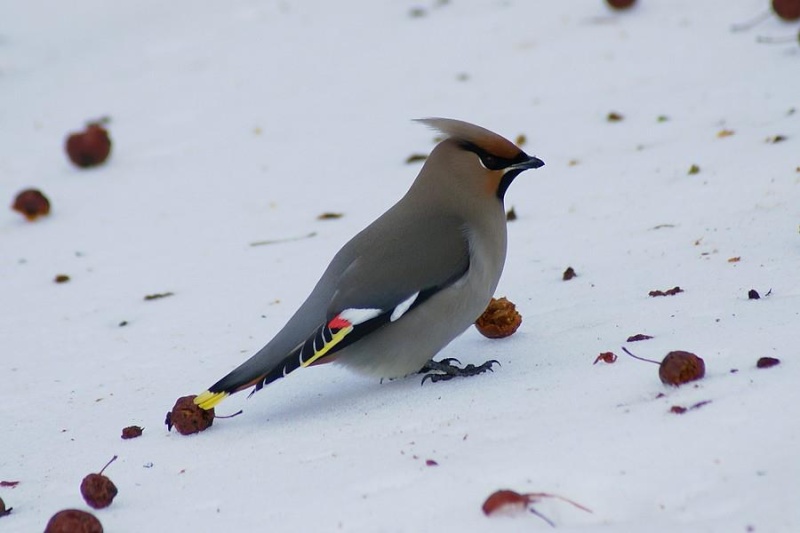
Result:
{"points": [[208, 400]]}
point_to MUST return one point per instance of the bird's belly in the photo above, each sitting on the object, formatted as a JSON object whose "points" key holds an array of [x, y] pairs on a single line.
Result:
{"points": [[403, 347]]}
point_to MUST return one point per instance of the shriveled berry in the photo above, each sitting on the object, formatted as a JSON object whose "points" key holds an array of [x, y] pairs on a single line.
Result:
{"points": [[505, 498], [189, 418], [500, 319], [620, 4], [788, 10], [90, 147], [766, 362], [98, 491], [606, 357], [131, 432], [32, 204], [73, 521], [3, 510], [681, 367], [669, 292]]}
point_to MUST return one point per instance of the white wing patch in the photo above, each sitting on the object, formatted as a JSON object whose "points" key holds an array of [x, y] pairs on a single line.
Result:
{"points": [[359, 316], [404, 306]]}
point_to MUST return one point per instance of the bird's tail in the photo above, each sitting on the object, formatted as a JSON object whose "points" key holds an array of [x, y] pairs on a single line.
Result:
{"points": [[318, 348], [243, 378]]}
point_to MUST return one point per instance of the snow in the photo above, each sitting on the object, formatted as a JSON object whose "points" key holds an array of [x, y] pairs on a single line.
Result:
{"points": [[237, 122]]}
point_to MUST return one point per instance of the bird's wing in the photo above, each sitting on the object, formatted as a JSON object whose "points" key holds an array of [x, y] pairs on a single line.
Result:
{"points": [[390, 264], [386, 273]]}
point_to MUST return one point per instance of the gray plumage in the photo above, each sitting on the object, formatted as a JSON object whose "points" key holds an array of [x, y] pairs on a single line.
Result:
{"points": [[444, 241]]}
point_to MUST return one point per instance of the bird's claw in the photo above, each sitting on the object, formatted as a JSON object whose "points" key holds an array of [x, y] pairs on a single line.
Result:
{"points": [[445, 370]]}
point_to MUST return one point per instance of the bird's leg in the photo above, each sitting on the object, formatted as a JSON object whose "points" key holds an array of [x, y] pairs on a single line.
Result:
{"points": [[445, 369]]}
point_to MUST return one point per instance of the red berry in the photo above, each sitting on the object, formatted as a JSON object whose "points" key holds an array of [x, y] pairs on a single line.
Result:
{"points": [[90, 147], [189, 418], [787, 9], [31, 203], [620, 4], [766, 362], [681, 367], [500, 319], [98, 490], [131, 432], [3, 510], [73, 521]]}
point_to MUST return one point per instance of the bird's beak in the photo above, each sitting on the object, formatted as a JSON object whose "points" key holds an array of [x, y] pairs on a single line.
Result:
{"points": [[531, 162]]}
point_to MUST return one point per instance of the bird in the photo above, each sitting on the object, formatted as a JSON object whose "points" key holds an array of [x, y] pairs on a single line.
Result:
{"points": [[411, 281]]}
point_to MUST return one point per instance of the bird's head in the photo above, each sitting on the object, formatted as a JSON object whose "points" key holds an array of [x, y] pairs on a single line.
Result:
{"points": [[487, 161]]}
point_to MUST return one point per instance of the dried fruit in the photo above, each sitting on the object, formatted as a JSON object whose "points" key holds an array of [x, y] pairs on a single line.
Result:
{"points": [[721, 134], [788, 10], [694, 169], [669, 292], [511, 215], [32, 204], [189, 418], [506, 499], [329, 216], [638, 337], [677, 367], [73, 521], [97, 490], [614, 117], [500, 319], [3, 510], [775, 139], [620, 4], [681, 367], [766, 362], [90, 147], [431, 462], [606, 357], [752, 294], [520, 140], [503, 498], [131, 432], [61, 278], [568, 274]]}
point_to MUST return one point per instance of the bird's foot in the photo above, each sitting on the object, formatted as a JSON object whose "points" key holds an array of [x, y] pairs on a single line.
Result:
{"points": [[445, 370]]}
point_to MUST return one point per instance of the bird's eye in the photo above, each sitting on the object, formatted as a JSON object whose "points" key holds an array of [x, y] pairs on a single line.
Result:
{"points": [[490, 162]]}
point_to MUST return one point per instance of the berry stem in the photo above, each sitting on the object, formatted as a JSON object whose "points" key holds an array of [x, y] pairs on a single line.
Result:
{"points": [[237, 413], [624, 349], [108, 463]]}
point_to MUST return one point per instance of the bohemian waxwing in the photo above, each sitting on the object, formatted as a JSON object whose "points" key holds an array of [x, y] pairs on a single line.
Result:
{"points": [[411, 281]]}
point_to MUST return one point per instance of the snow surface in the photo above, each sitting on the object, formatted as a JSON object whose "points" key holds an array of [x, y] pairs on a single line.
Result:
{"points": [[242, 121]]}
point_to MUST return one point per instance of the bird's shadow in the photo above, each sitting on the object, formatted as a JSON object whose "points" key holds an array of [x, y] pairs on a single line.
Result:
{"points": [[295, 401]]}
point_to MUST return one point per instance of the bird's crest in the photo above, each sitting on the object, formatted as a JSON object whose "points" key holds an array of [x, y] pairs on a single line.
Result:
{"points": [[470, 133]]}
